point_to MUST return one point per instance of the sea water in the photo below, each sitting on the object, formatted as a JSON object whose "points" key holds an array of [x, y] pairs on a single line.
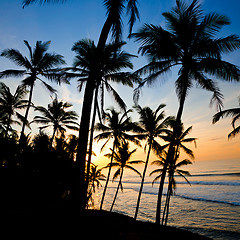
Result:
{"points": [[210, 206]]}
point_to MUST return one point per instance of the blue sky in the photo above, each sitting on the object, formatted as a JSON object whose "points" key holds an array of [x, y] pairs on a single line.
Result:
{"points": [[67, 23]]}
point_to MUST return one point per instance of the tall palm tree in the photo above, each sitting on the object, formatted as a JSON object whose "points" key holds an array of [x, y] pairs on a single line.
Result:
{"points": [[117, 129], [151, 126], [39, 63], [121, 160], [232, 112], [58, 116], [113, 23], [190, 43], [101, 67], [10, 103]]}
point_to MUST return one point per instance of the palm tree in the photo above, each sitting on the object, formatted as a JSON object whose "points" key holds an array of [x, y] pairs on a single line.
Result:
{"points": [[190, 43], [72, 146], [10, 103], [112, 24], [58, 116], [95, 179], [101, 67], [234, 113], [172, 170], [40, 63], [151, 126], [116, 129], [122, 160]]}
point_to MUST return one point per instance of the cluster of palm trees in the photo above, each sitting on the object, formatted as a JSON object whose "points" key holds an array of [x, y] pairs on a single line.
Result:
{"points": [[188, 43]]}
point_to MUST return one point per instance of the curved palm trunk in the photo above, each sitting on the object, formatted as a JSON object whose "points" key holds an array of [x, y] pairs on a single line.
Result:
{"points": [[143, 178], [108, 176], [91, 141], [166, 208], [168, 203], [27, 111], [169, 158], [119, 184], [79, 191], [105, 32]]}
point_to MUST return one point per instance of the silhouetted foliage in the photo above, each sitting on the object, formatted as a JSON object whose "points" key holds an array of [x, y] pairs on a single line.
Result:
{"points": [[235, 114]]}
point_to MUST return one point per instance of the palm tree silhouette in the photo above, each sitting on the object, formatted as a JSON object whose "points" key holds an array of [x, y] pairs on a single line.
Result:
{"points": [[121, 159], [179, 144], [95, 179], [151, 126], [116, 129], [101, 67], [172, 170], [39, 63], [190, 43], [232, 112], [10, 103], [58, 116], [113, 23]]}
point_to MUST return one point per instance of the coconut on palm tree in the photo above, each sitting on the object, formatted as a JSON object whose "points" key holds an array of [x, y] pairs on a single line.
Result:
{"points": [[121, 160], [189, 43], [117, 129], [232, 112], [9, 104], [57, 116], [151, 126], [39, 64]]}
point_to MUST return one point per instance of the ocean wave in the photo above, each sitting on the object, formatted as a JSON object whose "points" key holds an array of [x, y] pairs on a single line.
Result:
{"points": [[208, 200], [195, 198], [224, 183], [216, 174]]}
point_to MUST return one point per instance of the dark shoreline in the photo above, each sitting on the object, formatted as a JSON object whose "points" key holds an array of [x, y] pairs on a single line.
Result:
{"points": [[90, 224]]}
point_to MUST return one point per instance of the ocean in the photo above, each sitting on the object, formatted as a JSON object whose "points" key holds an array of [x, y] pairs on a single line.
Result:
{"points": [[210, 206]]}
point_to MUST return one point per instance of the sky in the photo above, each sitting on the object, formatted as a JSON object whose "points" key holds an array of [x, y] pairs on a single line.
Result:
{"points": [[65, 24]]}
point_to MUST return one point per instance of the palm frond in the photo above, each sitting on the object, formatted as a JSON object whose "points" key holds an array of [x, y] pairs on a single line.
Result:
{"points": [[132, 11], [12, 73]]}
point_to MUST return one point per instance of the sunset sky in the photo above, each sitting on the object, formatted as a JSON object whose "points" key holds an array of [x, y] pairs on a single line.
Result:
{"points": [[64, 24]]}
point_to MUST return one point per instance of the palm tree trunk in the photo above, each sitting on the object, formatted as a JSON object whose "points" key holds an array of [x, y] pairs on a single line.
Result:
{"points": [[143, 177], [169, 158], [108, 176], [105, 32], [79, 191], [115, 197], [27, 111], [165, 208], [54, 132], [168, 200], [91, 140]]}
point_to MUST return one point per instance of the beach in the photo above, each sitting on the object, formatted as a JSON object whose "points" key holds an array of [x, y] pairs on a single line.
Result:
{"points": [[210, 206]]}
